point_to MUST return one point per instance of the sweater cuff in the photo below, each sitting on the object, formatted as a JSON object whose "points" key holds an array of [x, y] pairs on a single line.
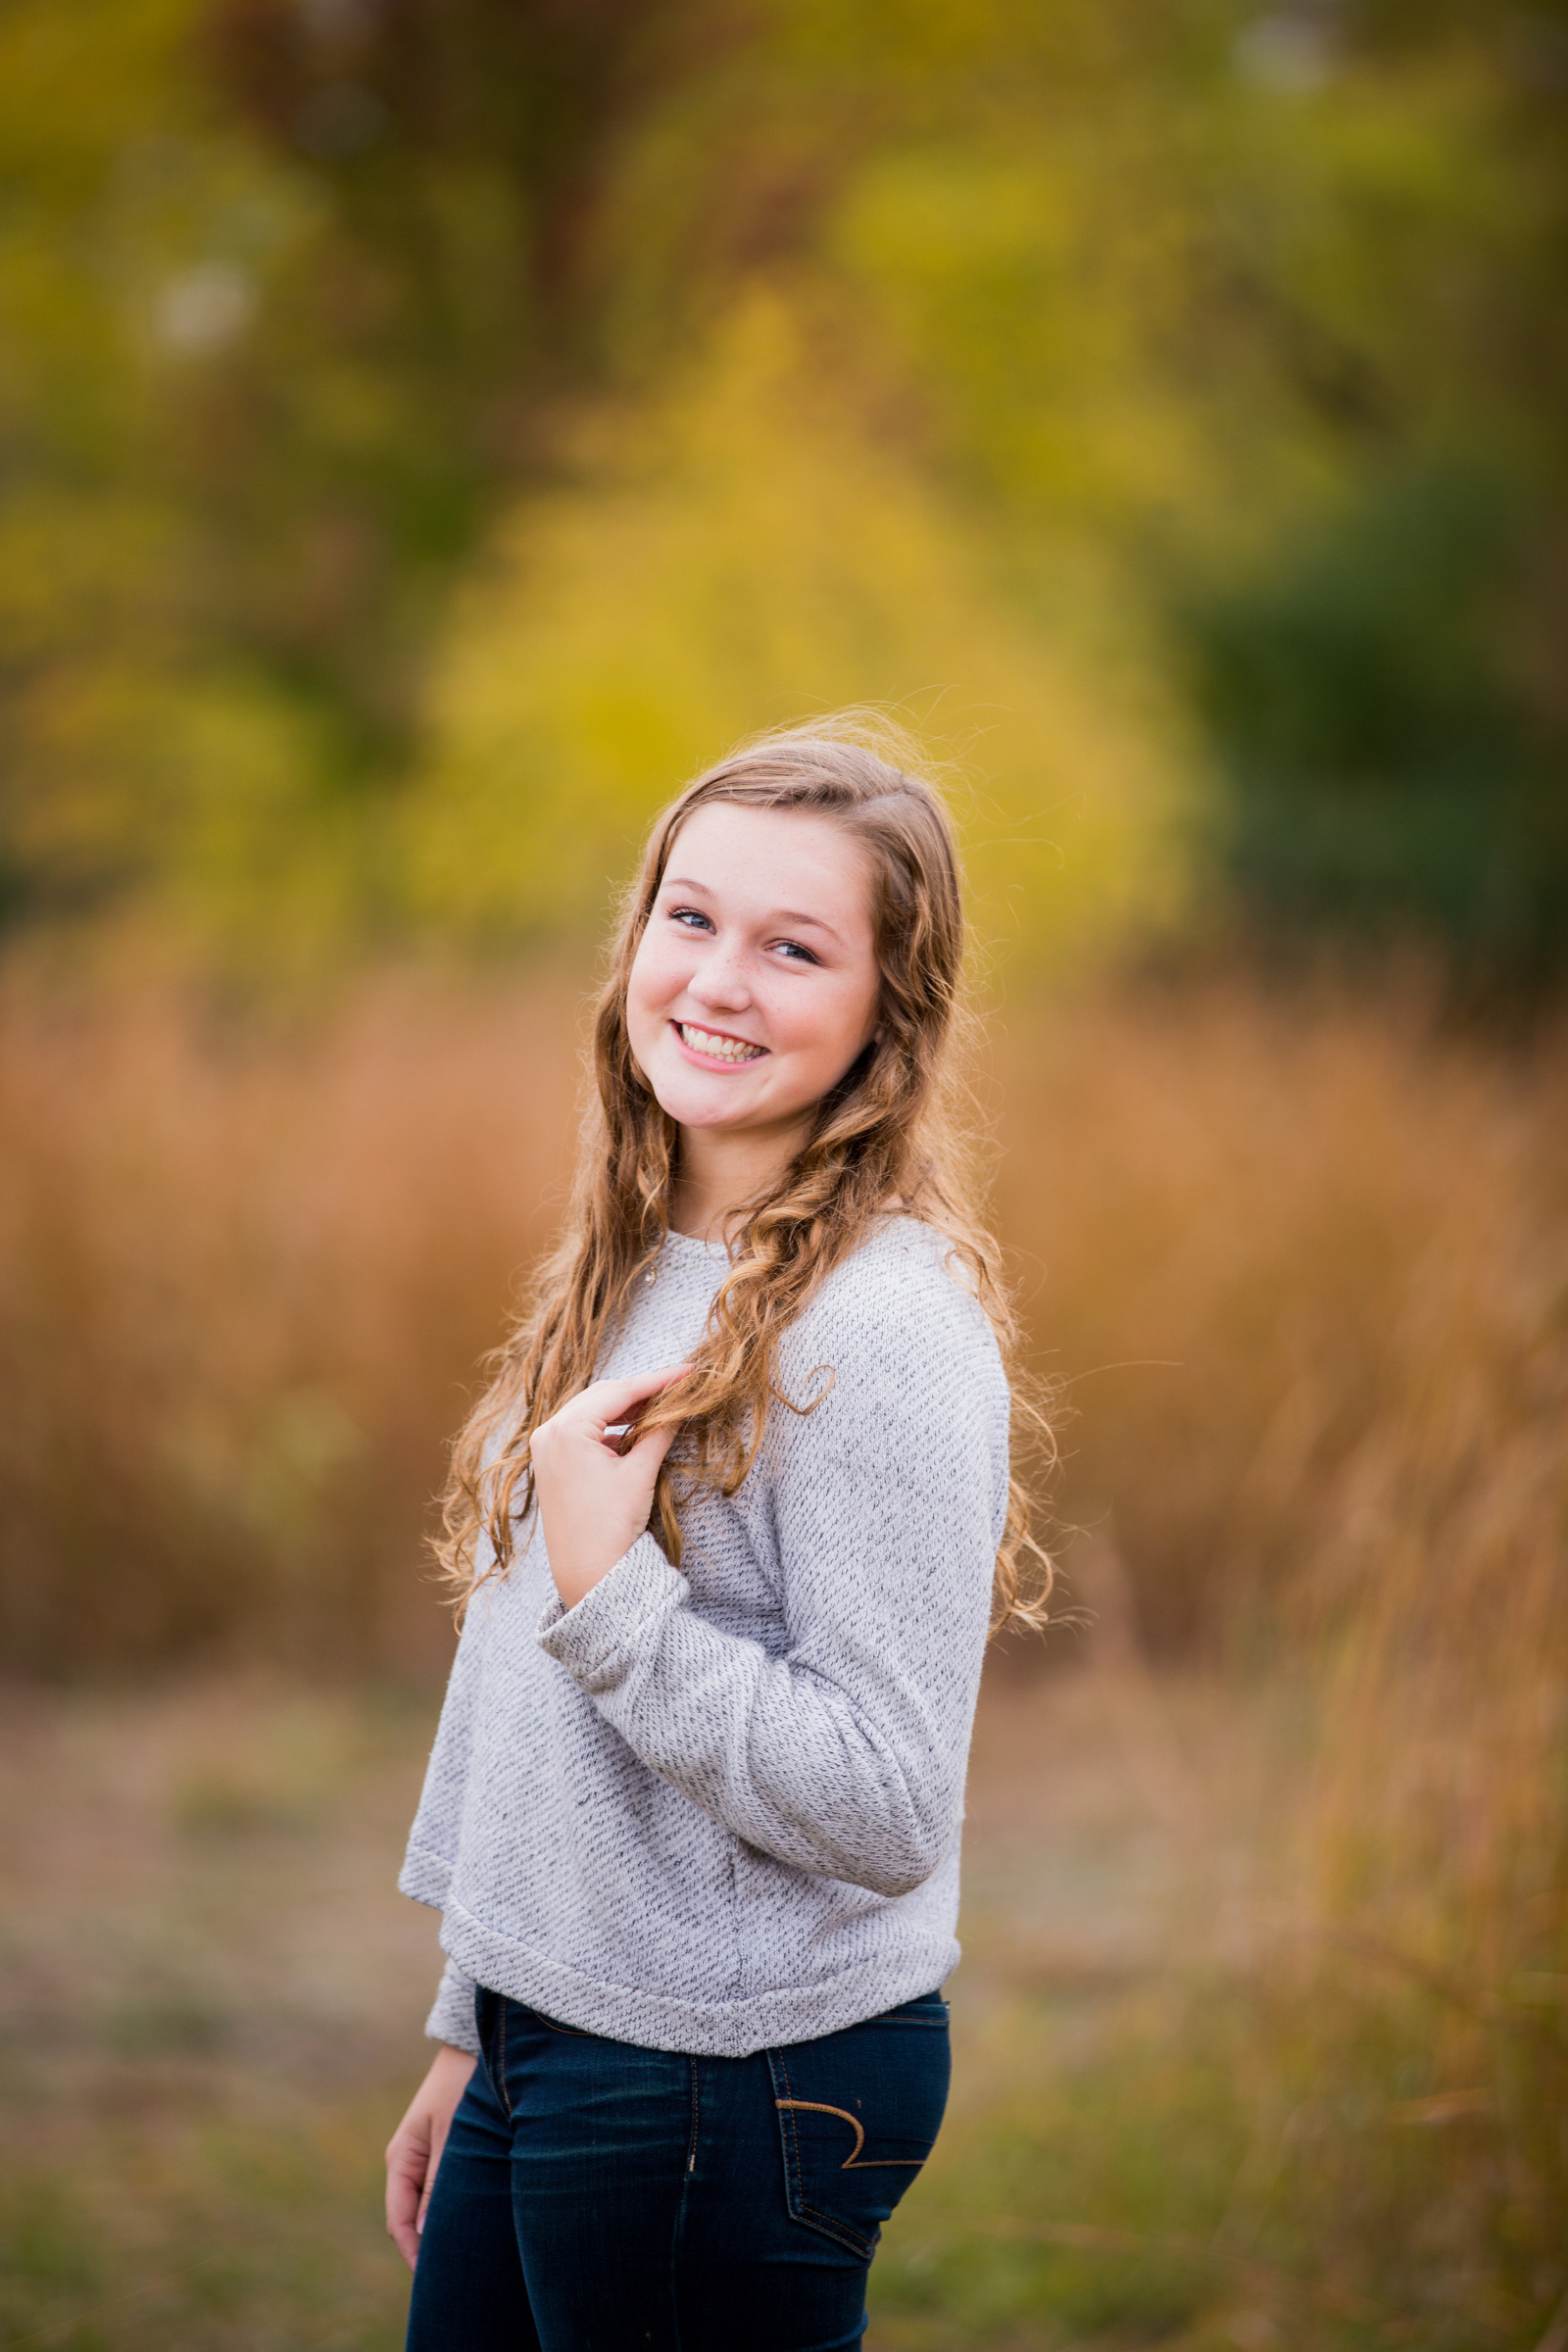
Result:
{"points": [[600, 1637], [452, 2019]]}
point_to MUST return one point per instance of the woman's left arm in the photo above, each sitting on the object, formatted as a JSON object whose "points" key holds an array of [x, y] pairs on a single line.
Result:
{"points": [[845, 1755]]}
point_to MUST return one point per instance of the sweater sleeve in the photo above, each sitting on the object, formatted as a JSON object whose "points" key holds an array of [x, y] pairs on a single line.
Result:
{"points": [[844, 1756]]}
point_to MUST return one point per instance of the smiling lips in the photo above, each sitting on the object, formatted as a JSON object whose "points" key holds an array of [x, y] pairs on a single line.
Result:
{"points": [[714, 1046]]}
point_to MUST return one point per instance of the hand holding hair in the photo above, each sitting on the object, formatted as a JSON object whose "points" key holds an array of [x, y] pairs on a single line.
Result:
{"points": [[594, 1497]]}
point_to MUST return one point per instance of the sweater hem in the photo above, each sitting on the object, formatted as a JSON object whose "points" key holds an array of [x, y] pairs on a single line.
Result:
{"points": [[698, 2028], [425, 1877]]}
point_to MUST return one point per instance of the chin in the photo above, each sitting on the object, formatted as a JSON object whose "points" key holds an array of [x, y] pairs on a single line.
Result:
{"points": [[694, 1105]]}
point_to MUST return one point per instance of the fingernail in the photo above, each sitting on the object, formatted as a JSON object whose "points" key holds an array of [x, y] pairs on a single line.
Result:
{"points": [[418, 2227]]}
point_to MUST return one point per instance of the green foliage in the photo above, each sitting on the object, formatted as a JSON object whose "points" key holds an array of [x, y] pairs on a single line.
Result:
{"points": [[280, 291], [1384, 764], [327, 329], [758, 558]]}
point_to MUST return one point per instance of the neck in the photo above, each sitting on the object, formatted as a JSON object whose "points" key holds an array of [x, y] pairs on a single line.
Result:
{"points": [[718, 1172]]}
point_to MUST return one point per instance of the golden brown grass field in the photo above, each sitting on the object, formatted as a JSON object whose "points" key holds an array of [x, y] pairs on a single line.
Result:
{"points": [[1262, 2034]]}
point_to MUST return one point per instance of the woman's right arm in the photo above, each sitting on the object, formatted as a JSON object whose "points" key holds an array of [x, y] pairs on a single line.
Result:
{"points": [[414, 2149], [844, 1755]]}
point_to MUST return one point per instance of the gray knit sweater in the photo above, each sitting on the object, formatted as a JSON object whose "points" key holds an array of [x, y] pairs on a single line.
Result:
{"points": [[718, 1809]]}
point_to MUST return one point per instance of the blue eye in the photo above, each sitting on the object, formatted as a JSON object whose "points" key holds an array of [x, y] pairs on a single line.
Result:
{"points": [[794, 949], [688, 916]]}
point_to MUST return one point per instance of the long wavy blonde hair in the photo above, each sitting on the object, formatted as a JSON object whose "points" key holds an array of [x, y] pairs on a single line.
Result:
{"points": [[891, 1134]]}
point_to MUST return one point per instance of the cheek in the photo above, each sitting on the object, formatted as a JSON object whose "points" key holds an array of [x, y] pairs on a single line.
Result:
{"points": [[649, 984], [858, 1006], [830, 1033]]}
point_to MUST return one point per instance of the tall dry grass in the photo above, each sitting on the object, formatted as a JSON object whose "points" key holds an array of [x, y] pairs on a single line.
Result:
{"points": [[248, 1269], [1306, 1267], [1303, 1271], [1329, 1248]]}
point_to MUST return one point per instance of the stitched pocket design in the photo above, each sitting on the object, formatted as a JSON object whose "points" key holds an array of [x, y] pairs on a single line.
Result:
{"points": [[858, 2113], [578, 2032]]}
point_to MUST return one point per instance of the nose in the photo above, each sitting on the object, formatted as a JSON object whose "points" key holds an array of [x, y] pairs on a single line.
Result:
{"points": [[720, 981]]}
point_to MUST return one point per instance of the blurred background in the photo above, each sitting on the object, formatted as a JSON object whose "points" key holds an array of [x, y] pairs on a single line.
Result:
{"points": [[429, 430]]}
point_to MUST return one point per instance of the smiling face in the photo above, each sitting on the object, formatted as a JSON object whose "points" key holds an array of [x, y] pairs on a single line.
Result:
{"points": [[754, 985]]}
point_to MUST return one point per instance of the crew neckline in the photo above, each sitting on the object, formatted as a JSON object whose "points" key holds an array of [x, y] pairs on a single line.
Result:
{"points": [[691, 1244], [688, 1244]]}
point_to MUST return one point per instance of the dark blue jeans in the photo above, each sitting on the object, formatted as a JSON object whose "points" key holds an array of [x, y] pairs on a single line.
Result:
{"points": [[595, 2197]]}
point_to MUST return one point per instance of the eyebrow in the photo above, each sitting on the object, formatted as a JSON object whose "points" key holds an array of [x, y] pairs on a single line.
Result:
{"points": [[781, 914]]}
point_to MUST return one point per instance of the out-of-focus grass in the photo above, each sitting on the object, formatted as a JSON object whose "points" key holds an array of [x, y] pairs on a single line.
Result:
{"points": [[1302, 1268], [212, 1999], [1181, 2114], [249, 1270], [1196, 2103]]}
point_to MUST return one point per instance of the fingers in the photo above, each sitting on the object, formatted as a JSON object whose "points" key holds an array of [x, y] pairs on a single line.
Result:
{"points": [[409, 2174], [438, 2141], [414, 2149], [613, 1399], [650, 1446]]}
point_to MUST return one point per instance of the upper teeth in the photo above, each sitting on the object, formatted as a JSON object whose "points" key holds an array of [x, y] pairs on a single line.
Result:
{"points": [[722, 1049]]}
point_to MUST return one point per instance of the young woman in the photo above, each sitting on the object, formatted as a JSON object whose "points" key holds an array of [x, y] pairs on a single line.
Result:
{"points": [[727, 1527]]}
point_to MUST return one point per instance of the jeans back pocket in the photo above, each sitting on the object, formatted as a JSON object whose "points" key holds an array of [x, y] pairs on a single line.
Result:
{"points": [[858, 2113]]}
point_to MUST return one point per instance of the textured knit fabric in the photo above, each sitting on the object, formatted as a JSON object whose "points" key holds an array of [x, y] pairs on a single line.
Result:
{"points": [[718, 1810]]}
